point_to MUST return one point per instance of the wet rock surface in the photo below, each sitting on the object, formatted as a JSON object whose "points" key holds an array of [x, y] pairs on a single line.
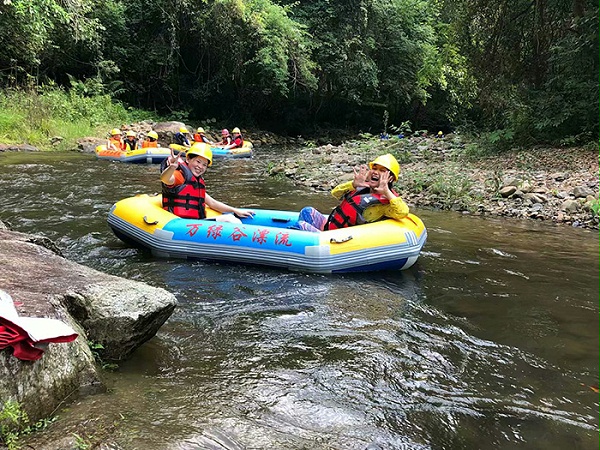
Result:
{"points": [[116, 313]]}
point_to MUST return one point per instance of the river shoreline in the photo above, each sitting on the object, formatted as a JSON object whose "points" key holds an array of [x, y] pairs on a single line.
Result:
{"points": [[558, 185]]}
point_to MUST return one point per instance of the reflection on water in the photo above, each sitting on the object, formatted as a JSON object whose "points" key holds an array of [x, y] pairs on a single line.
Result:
{"points": [[490, 341]]}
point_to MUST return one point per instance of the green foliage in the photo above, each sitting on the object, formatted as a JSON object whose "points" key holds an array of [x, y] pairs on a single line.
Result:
{"points": [[12, 420], [256, 54], [595, 207], [498, 140], [405, 128], [567, 103], [416, 182], [452, 187], [530, 69], [375, 53], [386, 116], [14, 424], [449, 186], [35, 116], [96, 349], [81, 443]]}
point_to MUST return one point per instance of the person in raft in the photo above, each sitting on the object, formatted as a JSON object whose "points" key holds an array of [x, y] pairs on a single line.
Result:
{"points": [[367, 198], [236, 141], [183, 189], [225, 138], [181, 137], [200, 136], [131, 141], [114, 141], [151, 140]]}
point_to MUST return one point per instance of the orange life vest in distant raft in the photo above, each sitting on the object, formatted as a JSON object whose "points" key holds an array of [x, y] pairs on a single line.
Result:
{"points": [[350, 211], [118, 144], [187, 199], [201, 138], [147, 143]]}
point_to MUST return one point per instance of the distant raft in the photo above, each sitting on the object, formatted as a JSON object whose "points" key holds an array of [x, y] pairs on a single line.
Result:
{"points": [[219, 152], [138, 156], [267, 239]]}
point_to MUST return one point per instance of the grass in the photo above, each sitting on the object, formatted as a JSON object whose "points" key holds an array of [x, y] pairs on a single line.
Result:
{"points": [[42, 115]]}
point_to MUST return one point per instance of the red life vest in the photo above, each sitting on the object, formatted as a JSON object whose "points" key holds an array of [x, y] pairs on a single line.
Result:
{"points": [[350, 211], [187, 199], [238, 141]]}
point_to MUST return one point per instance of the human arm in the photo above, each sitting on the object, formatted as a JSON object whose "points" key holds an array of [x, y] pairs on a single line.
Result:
{"points": [[341, 189], [224, 208], [396, 209]]}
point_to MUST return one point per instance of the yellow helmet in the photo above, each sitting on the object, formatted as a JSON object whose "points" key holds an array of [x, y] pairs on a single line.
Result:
{"points": [[236, 130], [131, 133], [389, 162], [115, 131], [153, 134], [201, 149], [183, 130], [200, 130]]}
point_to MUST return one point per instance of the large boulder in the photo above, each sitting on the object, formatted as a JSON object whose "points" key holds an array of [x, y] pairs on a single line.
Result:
{"points": [[18, 148], [89, 144], [117, 313], [166, 131]]}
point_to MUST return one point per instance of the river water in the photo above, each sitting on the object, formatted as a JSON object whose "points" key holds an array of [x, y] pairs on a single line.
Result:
{"points": [[489, 342]]}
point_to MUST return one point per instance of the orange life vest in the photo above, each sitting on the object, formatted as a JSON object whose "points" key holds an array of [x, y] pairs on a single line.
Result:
{"points": [[149, 144], [118, 144]]}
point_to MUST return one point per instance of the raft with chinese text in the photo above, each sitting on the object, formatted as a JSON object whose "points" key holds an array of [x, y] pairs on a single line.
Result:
{"points": [[267, 239]]}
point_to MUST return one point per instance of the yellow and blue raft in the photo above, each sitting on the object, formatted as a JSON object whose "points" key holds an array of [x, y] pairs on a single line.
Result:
{"points": [[268, 239]]}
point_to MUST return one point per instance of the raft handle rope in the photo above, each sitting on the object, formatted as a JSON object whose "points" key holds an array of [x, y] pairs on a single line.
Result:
{"points": [[340, 241], [150, 223]]}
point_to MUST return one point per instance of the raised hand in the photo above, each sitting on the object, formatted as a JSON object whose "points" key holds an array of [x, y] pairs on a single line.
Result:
{"points": [[383, 186], [173, 159], [360, 176]]}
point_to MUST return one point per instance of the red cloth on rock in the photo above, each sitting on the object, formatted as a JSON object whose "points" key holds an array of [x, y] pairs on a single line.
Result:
{"points": [[29, 336]]}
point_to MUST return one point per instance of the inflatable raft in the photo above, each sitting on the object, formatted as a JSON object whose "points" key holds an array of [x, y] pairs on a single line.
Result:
{"points": [[267, 239], [138, 156], [219, 152]]}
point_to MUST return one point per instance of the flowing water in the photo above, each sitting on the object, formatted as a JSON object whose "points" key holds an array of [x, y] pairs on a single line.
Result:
{"points": [[490, 341]]}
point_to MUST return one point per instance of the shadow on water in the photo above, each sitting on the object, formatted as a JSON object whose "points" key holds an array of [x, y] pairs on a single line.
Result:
{"points": [[489, 341]]}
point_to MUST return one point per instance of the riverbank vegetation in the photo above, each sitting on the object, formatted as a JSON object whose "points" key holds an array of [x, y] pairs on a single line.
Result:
{"points": [[15, 423], [513, 73], [51, 118]]}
